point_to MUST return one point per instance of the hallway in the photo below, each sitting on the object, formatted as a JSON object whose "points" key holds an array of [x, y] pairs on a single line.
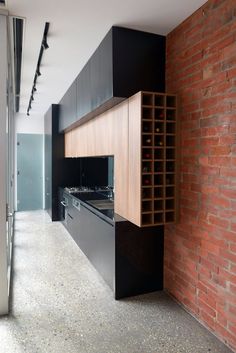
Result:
{"points": [[61, 305]]}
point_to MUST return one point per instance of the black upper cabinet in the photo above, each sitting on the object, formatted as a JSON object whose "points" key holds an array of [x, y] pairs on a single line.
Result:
{"points": [[68, 114], [138, 62], [83, 93], [126, 62], [102, 73]]}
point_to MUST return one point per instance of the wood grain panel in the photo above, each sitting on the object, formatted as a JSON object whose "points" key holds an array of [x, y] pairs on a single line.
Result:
{"points": [[120, 143], [106, 135], [134, 167]]}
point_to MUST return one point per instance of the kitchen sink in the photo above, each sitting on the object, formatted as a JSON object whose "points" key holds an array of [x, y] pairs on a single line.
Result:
{"points": [[102, 204]]}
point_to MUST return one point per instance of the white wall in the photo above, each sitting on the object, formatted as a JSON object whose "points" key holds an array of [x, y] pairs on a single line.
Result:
{"points": [[33, 124]]}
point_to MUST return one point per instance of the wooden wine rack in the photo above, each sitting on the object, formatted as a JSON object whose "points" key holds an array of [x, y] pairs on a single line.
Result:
{"points": [[141, 134], [158, 158]]}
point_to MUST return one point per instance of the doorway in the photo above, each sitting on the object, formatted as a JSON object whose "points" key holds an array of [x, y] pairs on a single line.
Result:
{"points": [[29, 172]]}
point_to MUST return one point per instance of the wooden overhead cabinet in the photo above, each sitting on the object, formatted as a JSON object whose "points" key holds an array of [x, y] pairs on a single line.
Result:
{"points": [[141, 134], [152, 167]]}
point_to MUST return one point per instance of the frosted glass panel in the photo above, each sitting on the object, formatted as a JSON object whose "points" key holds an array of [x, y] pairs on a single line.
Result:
{"points": [[30, 172]]}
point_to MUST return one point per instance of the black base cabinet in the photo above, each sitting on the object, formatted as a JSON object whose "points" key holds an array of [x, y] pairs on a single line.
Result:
{"points": [[138, 259], [96, 238], [129, 258]]}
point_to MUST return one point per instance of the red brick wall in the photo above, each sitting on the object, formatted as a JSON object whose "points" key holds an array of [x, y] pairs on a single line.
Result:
{"points": [[200, 251]]}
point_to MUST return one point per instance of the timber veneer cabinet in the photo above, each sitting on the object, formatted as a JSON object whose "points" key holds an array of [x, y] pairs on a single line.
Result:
{"points": [[152, 159], [141, 133]]}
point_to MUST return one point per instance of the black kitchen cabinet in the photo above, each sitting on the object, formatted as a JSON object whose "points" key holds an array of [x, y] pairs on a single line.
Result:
{"points": [[83, 100], [54, 160], [126, 62], [96, 238], [61, 171], [139, 259], [68, 113], [129, 258]]}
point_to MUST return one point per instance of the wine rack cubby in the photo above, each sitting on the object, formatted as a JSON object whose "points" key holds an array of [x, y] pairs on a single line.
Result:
{"points": [[158, 154]]}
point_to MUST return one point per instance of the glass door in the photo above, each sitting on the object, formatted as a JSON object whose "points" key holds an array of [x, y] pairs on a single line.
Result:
{"points": [[10, 160], [6, 165], [4, 241]]}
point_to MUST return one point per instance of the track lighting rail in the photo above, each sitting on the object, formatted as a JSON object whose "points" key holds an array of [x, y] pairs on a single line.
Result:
{"points": [[44, 45]]}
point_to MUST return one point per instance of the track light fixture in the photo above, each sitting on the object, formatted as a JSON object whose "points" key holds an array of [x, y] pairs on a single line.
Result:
{"points": [[44, 46], [38, 72]]}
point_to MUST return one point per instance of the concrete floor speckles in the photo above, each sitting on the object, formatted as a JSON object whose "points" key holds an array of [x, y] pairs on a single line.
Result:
{"points": [[61, 304]]}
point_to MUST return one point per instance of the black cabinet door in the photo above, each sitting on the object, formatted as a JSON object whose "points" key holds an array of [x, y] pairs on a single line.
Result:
{"points": [[83, 93], [67, 111], [75, 220], [102, 73], [70, 219], [54, 161], [125, 62], [61, 208], [97, 241]]}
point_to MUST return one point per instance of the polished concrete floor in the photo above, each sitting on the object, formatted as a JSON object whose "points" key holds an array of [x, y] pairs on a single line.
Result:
{"points": [[60, 304]]}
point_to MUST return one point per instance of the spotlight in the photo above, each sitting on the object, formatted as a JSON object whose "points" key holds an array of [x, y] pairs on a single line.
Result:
{"points": [[45, 44], [38, 72], [34, 89]]}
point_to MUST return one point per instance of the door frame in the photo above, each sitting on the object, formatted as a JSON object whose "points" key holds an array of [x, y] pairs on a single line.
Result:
{"points": [[4, 306]]}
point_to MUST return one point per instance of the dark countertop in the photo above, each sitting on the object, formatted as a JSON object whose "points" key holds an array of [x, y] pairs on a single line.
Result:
{"points": [[108, 214]]}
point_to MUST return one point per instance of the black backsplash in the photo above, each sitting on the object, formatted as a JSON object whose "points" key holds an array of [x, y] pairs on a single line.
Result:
{"points": [[94, 171], [89, 171]]}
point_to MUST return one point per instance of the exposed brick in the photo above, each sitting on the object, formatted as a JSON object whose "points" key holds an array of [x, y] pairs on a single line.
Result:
{"points": [[222, 317], [210, 170], [232, 310], [209, 141], [208, 122], [218, 260], [220, 150], [228, 139], [208, 299], [231, 194], [208, 264], [226, 334], [214, 131], [228, 172], [206, 308], [219, 201], [233, 291], [220, 222], [209, 189], [222, 108], [220, 161], [228, 255], [227, 235], [233, 227], [201, 70], [219, 280], [209, 247]]}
